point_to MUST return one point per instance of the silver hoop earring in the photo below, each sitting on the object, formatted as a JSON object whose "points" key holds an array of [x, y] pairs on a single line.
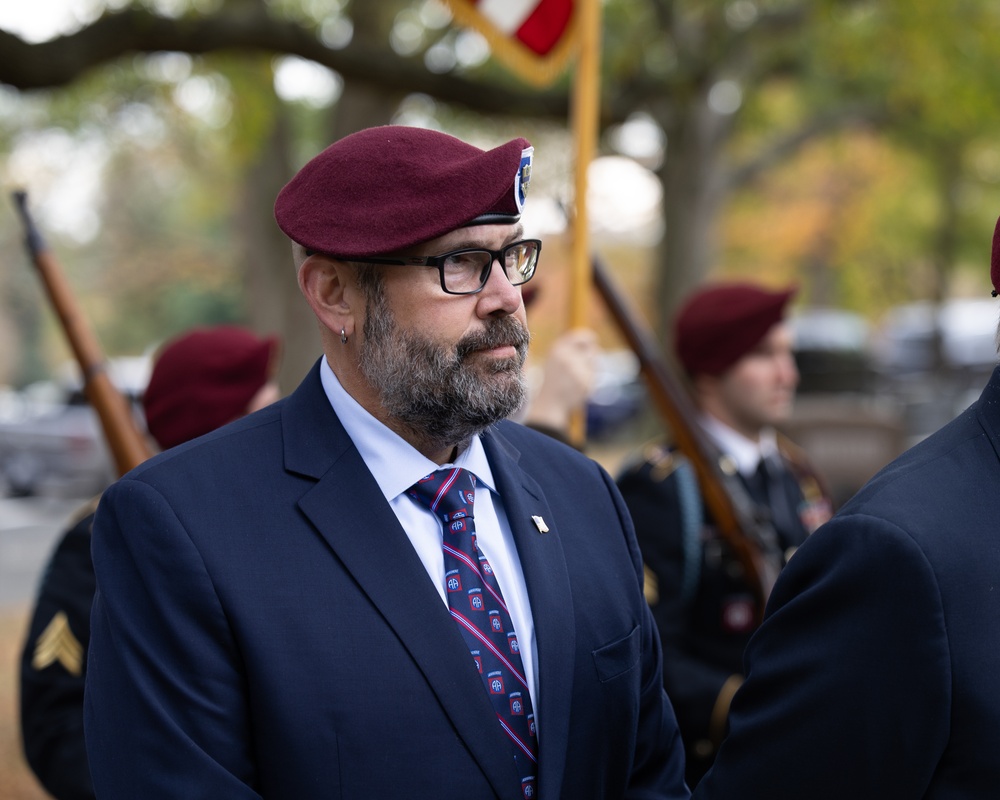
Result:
{"points": [[343, 336]]}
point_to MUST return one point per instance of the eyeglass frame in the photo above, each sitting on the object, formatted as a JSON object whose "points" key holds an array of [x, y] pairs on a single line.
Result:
{"points": [[438, 261]]}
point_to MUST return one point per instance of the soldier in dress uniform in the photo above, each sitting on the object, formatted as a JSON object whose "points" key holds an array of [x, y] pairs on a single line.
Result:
{"points": [[736, 349], [202, 379], [874, 672]]}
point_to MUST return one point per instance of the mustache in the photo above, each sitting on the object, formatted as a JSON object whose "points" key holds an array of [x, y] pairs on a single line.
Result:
{"points": [[504, 331]]}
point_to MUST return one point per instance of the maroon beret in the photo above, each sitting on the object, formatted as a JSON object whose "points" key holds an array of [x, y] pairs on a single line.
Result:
{"points": [[721, 323], [382, 190], [995, 260], [204, 379]]}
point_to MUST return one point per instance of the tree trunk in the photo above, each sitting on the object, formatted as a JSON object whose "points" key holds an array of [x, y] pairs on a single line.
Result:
{"points": [[948, 171], [266, 256], [693, 191], [360, 106]]}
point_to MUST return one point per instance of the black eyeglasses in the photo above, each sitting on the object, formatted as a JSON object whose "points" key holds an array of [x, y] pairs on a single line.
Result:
{"points": [[466, 271]]}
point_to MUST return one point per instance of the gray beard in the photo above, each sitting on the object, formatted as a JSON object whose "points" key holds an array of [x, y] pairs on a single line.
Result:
{"points": [[438, 394]]}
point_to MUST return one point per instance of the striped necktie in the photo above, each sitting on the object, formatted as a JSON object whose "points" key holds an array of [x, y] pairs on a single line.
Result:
{"points": [[478, 608]]}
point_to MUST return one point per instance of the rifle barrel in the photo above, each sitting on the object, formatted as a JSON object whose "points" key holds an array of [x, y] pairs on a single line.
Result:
{"points": [[127, 445]]}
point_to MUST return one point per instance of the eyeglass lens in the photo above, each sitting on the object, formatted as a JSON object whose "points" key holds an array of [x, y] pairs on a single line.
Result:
{"points": [[469, 270]]}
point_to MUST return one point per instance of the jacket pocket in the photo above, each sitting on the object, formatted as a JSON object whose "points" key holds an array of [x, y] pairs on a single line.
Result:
{"points": [[618, 657]]}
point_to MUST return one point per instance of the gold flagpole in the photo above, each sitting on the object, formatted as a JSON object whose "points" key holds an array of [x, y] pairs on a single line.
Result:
{"points": [[585, 125]]}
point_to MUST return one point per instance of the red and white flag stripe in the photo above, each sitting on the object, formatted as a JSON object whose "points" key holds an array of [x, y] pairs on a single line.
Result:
{"points": [[537, 24]]}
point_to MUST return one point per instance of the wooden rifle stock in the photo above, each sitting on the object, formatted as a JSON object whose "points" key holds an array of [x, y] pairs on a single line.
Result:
{"points": [[752, 539], [127, 445]]}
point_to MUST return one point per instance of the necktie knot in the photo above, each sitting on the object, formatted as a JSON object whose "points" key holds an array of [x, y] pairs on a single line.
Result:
{"points": [[768, 488], [758, 482], [449, 493]]}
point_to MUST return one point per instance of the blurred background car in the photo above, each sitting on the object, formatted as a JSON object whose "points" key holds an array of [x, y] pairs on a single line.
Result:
{"points": [[868, 392], [51, 441], [618, 395], [833, 351], [963, 329], [849, 427], [934, 360]]}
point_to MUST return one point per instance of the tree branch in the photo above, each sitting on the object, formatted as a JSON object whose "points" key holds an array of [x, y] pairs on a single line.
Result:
{"points": [[783, 147], [60, 61]]}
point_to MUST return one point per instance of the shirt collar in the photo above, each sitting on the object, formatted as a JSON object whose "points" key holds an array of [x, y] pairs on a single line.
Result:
{"points": [[394, 463], [746, 453]]}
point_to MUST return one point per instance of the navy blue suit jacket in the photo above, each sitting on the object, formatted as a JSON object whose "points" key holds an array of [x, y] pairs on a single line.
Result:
{"points": [[876, 671], [263, 627]]}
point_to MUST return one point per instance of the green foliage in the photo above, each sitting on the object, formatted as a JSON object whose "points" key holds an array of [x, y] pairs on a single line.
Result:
{"points": [[179, 306], [932, 62]]}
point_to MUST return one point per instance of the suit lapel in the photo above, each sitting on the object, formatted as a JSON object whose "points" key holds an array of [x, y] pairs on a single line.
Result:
{"points": [[986, 410], [543, 562], [369, 541]]}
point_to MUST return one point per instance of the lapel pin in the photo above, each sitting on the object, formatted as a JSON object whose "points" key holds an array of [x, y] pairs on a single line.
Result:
{"points": [[540, 524]]}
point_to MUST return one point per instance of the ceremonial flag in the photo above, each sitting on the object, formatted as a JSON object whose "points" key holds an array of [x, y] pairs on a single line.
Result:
{"points": [[533, 38]]}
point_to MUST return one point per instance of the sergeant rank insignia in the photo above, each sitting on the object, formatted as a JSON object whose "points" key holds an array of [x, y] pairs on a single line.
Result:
{"points": [[58, 644]]}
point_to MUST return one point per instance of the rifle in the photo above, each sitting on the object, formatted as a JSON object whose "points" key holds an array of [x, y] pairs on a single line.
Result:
{"points": [[127, 445], [736, 516]]}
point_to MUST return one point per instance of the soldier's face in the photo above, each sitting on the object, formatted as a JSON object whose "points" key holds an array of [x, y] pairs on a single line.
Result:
{"points": [[758, 391]]}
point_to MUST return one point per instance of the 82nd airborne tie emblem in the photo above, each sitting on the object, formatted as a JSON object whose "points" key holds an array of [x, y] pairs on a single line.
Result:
{"points": [[495, 622], [495, 682]]}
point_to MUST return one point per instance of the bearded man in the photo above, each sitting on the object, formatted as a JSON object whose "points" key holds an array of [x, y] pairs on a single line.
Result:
{"points": [[380, 587]]}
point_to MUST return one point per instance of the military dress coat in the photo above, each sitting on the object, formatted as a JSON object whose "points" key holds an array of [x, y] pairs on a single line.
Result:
{"points": [[263, 628], [875, 671], [704, 606], [54, 663]]}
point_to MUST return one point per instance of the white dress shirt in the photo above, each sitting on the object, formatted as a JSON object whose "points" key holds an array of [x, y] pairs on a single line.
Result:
{"points": [[396, 465], [745, 452]]}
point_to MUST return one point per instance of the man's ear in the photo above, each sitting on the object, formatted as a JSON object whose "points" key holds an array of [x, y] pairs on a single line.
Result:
{"points": [[326, 284]]}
